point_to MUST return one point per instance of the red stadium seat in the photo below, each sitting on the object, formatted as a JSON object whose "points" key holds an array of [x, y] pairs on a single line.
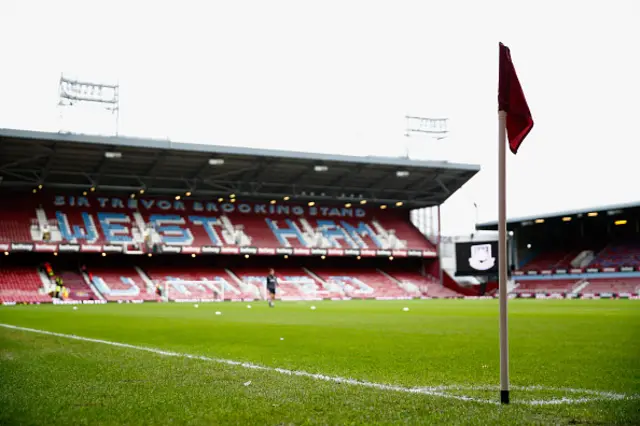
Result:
{"points": [[20, 284]]}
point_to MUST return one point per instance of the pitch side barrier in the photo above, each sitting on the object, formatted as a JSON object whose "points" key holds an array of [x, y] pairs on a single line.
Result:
{"points": [[578, 276], [580, 272]]}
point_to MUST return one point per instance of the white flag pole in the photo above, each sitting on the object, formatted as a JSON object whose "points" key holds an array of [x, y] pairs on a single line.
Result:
{"points": [[502, 256]]}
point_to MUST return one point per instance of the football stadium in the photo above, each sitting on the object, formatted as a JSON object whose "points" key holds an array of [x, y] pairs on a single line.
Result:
{"points": [[133, 284]]}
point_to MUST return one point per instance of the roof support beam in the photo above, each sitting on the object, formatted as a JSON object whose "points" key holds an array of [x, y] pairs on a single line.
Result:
{"points": [[299, 176], [201, 169], [231, 185], [427, 185], [230, 173], [101, 167], [201, 192], [222, 187], [159, 159], [47, 167], [340, 181], [420, 185], [23, 161], [385, 178], [19, 176], [263, 170], [442, 185]]}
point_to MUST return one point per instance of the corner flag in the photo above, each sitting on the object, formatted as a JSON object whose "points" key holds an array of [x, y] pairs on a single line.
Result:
{"points": [[512, 101], [514, 120]]}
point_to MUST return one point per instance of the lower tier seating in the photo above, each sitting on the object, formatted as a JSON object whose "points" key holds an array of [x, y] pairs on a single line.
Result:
{"points": [[20, 284]]}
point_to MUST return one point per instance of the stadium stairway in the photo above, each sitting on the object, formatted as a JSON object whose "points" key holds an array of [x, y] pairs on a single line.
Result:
{"points": [[78, 287], [92, 285], [327, 291], [143, 275], [418, 284], [363, 283], [409, 287], [314, 276], [47, 284], [580, 287], [249, 291], [583, 259]]}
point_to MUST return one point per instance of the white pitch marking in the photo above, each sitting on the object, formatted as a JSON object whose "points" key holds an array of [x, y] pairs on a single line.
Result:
{"points": [[431, 391], [592, 395]]}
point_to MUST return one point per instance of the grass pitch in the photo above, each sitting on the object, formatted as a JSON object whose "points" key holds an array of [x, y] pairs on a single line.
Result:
{"points": [[560, 350]]}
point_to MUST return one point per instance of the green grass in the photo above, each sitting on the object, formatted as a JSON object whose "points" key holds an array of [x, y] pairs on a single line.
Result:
{"points": [[593, 345]]}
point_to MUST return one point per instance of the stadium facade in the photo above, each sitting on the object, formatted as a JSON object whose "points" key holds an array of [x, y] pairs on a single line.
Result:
{"points": [[580, 253], [122, 219]]}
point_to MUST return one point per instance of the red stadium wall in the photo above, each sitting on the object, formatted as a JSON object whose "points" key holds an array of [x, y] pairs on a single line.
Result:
{"points": [[450, 283], [433, 268]]}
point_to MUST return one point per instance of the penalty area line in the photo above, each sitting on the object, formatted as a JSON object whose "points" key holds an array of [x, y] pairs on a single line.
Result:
{"points": [[436, 391]]}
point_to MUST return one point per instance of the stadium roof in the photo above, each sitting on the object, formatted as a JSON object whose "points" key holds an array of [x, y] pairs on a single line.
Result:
{"points": [[515, 222], [115, 163]]}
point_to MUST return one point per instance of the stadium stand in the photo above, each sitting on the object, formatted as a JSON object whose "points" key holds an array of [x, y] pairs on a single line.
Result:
{"points": [[613, 255], [362, 283], [549, 260], [294, 283], [21, 284], [612, 286], [248, 202], [75, 282], [293, 211], [118, 283], [580, 253], [88, 224], [617, 255], [199, 283], [415, 283], [12, 227]]}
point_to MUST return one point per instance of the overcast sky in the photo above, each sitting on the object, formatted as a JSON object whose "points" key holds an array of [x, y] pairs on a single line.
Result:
{"points": [[339, 77]]}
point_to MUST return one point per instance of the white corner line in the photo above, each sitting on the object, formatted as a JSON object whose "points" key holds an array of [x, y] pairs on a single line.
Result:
{"points": [[438, 391]]}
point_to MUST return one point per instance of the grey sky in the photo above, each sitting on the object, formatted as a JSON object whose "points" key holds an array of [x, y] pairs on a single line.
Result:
{"points": [[339, 76]]}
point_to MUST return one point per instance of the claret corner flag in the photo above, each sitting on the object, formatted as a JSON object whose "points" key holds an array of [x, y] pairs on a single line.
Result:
{"points": [[511, 100], [514, 122]]}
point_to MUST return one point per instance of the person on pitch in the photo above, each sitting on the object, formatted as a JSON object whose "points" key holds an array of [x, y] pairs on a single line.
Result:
{"points": [[272, 283]]}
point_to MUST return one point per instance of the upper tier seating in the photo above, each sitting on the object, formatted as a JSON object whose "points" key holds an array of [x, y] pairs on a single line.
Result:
{"points": [[549, 260], [616, 255], [81, 225], [14, 227]]}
